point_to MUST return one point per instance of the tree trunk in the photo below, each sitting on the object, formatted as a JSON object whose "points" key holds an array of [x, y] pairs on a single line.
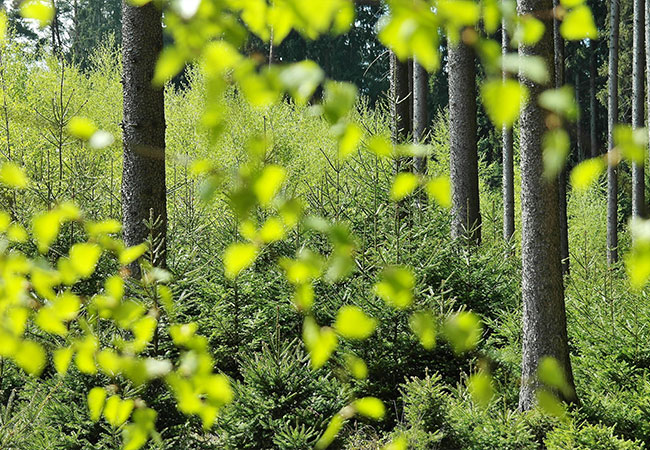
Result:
{"points": [[420, 112], [593, 104], [508, 164], [544, 315], [143, 125], [400, 99], [579, 145], [558, 59], [612, 119], [466, 216], [638, 106]]}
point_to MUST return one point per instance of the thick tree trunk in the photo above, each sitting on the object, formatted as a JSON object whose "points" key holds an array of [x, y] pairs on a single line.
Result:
{"points": [[593, 104], [508, 163], [143, 125], [638, 106], [612, 119], [466, 216], [420, 112], [544, 315], [558, 59]]}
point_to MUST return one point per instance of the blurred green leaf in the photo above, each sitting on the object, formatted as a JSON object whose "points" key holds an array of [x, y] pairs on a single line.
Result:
{"points": [[503, 101], [353, 323]]}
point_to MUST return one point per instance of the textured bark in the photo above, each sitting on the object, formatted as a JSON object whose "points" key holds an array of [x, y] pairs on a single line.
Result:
{"points": [[544, 315], [638, 105], [593, 104], [558, 62], [508, 164], [466, 216], [143, 126], [579, 146], [400, 98], [612, 119], [420, 112]]}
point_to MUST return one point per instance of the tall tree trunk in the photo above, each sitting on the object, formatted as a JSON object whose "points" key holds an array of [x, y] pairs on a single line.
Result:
{"points": [[508, 162], [143, 126], [612, 119], [579, 143], [638, 106], [420, 112], [544, 315], [400, 99], [558, 59], [466, 216], [593, 104]]}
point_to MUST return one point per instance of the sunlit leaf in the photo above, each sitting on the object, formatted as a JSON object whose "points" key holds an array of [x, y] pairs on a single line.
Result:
{"points": [[399, 443], [533, 68], [529, 30], [301, 80], [84, 258], [561, 101], [62, 358], [338, 100], [131, 254], [238, 257], [578, 24], [503, 101], [40, 10], [30, 357], [353, 323], [370, 407], [587, 173], [268, 184], [551, 373], [13, 176], [556, 149], [349, 140], [463, 331], [423, 324], [81, 128], [332, 430], [396, 287], [481, 388], [117, 411], [403, 185], [439, 190], [320, 342], [46, 227], [550, 404], [170, 63], [96, 399], [356, 366]]}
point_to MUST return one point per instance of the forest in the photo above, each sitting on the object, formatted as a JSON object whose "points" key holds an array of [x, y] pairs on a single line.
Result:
{"points": [[342, 224]]}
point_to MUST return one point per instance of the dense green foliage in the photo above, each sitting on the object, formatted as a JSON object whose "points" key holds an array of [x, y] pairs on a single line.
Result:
{"points": [[248, 308]]}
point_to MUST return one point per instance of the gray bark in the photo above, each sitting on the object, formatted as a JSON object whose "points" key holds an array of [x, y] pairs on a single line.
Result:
{"points": [[638, 106], [508, 164], [544, 315], [420, 112], [558, 59], [612, 119], [466, 216], [143, 127], [593, 104]]}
